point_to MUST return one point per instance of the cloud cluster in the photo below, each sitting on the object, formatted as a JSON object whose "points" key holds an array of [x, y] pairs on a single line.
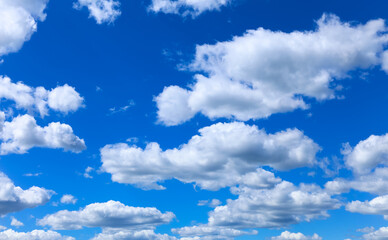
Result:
{"points": [[224, 154], [103, 11], [14, 199], [377, 206], [110, 214], [187, 7], [23, 133], [296, 236], [265, 72], [18, 21], [380, 234], [132, 235], [63, 99], [210, 233], [33, 235]]}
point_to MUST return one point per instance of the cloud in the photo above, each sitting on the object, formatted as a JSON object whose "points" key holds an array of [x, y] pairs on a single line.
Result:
{"points": [[213, 203], [265, 72], [281, 206], [33, 235], [296, 236], [23, 133], [68, 199], [377, 206], [380, 234], [18, 21], [14, 199], [103, 11], [222, 155], [16, 223], [209, 233], [187, 7], [110, 214], [62, 98], [132, 235]]}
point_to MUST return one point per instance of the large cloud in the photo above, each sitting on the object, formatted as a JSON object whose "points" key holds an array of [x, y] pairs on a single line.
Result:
{"points": [[23, 133], [265, 72], [18, 21], [110, 214], [64, 98], [187, 7], [13, 199], [103, 11], [33, 235], [224, 154], [380, 234], [276, 207], [296, 236], [377, 206]]}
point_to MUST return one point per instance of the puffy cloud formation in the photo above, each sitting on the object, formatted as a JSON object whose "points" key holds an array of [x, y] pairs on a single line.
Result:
{"points": [[187, 7], [377, 206], [18, 21], [380, 234], [103, 11], [265, 72], [14, 199], [296, 236], [209, 233], [23, 133], [276, 207], [16, 223], [64, 98], [132, 235], [110, 214], [33, 235], [68, 199], [224, 154]]}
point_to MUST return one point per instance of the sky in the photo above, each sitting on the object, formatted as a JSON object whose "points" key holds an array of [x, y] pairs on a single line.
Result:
{"points": [[193, 120]]}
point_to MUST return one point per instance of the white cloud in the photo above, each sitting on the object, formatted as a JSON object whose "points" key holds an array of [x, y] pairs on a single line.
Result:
{"points": [[280, 206], [213, 203], [265, 72], [68, 199], [380, 234], [103, 11], [23, 133], [16, 223], [110, 214], [296, 236], [62, 98], [377, 206], [222, 155], [210, 233], [18, 21], [187, 7], [132, 235], [14, 199], [87, 172], [33, 235], [384, 65]]}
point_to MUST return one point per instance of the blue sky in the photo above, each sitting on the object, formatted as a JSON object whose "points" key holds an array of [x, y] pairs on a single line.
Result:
{"points": [[201, 119]]}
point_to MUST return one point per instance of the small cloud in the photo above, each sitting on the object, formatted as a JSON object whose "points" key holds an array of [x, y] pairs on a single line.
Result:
{"points": [[2, 228], [32, 174], [213, 203], [98, 89], [125, 108], [16, 223], [366, 229], [87, 172], [133, 140], [68, 199]]}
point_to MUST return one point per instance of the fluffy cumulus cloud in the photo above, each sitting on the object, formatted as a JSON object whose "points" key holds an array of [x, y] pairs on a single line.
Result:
{"points": [[380, 234], [377, 206], [68, 199], [187, 7], [224, 154], [110, 214], [210, 233], [13, 198], [64, 98], [33, 235], [265, 72], [132, 235], [296, 236], [368, 161], [18, 21], [23, 133], [103, 11], [280, 206]]}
